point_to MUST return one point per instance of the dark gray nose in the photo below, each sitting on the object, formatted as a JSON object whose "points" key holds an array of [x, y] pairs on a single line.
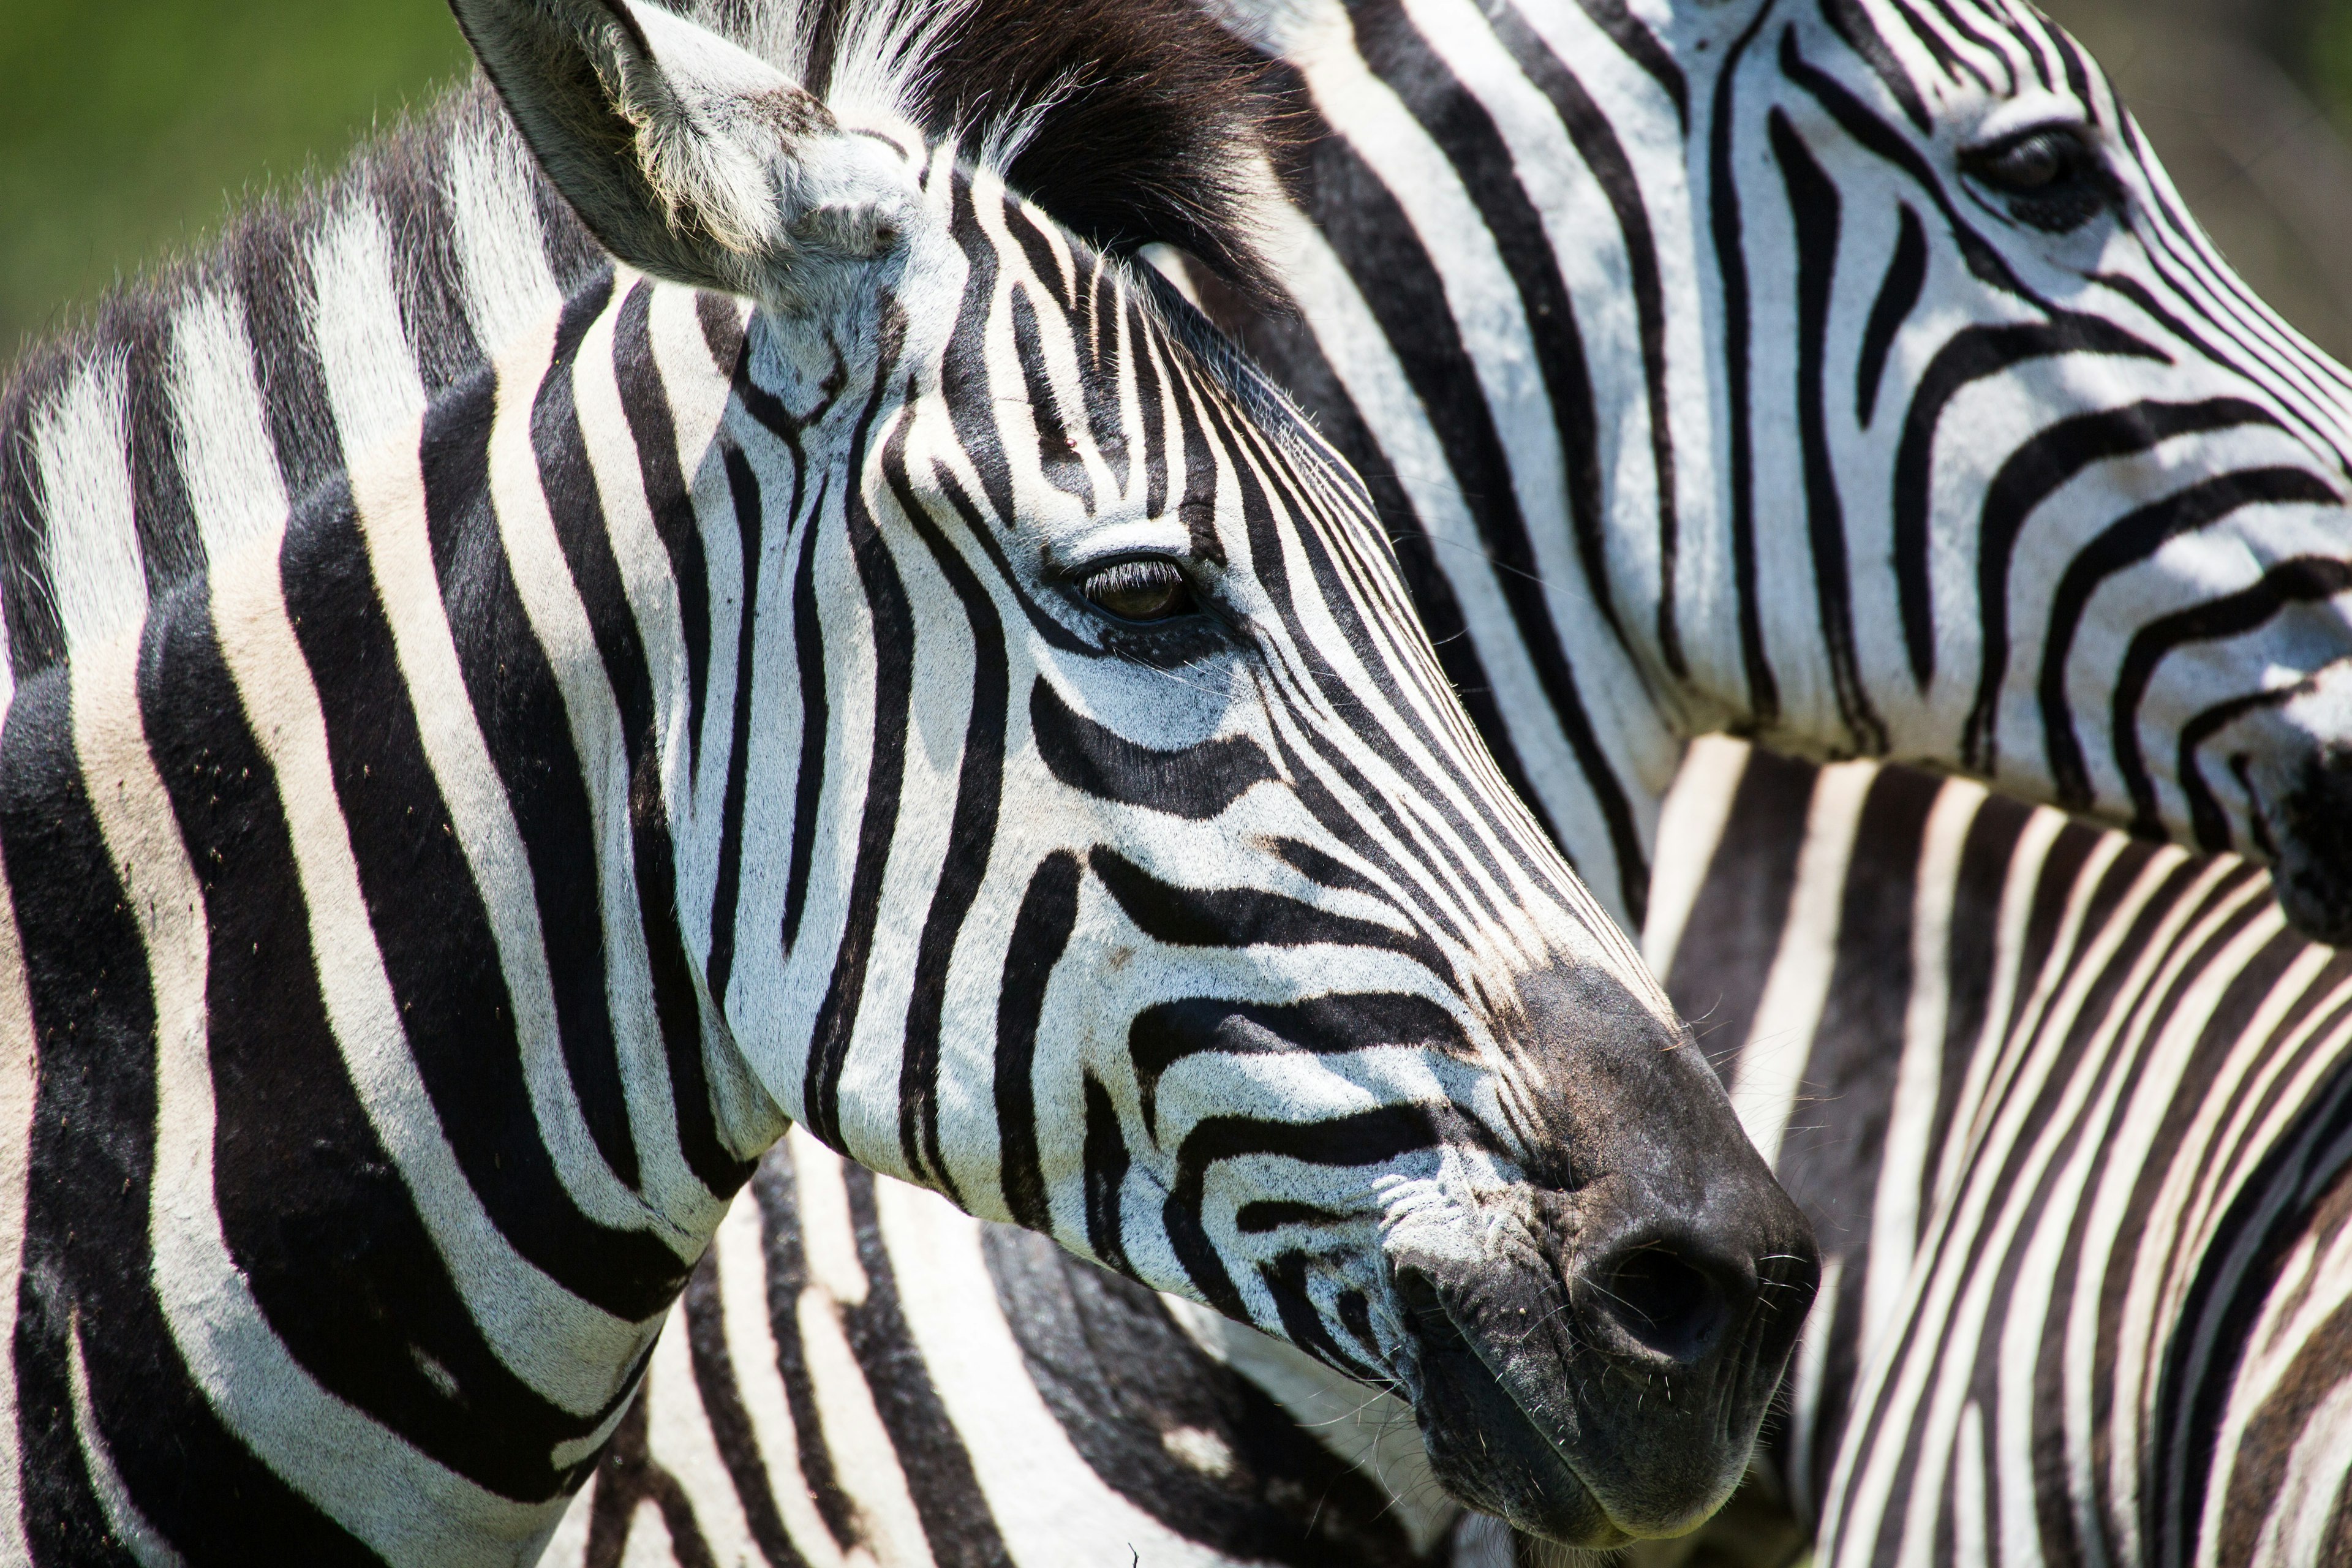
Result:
{"points": [[2308, 811], [1599, 1373]]}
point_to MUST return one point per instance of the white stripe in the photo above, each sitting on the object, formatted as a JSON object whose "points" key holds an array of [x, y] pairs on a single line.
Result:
{"points": [[678, 1437], [373, 384], [388, 490], [1690, 827], [19, 1065], [865, 1461], [1772, 1062], [495, 230], [2300, 1529], [131, 1528], [226, 456], [1918, 1077], [752, 1351], [559, 622], [80, 441]]}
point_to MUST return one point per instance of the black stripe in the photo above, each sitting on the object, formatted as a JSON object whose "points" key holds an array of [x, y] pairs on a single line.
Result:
{"points": [[87, 1259], [947, 1496], [894, 658], [966, 388], [1124, 1381], [1459, 124], [980, 788], [2032, 474], [1282, 339], [2303, 580], [348, 1277], [1898, 295], [1377, 1137], [1814, 209], [1376, 243], [645, 403], [521, 712], [273, 276], [1197, 783], [434, 933], [1040, 930], [816, 719], [731, 1423], [1852, 24], [1629, 33], [582, 532], [1165, 1033], [164, 519], [778, 1195], [727, 884], [1598, 144], [36, 636], [1726, 232], [1057, 450]]}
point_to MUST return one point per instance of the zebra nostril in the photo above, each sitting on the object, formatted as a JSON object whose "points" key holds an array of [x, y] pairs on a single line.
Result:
{"points": [[1661, 1302]]}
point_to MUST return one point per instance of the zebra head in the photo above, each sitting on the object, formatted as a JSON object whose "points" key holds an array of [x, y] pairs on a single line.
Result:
{"points": [[1097, 841], [2109, 482]]}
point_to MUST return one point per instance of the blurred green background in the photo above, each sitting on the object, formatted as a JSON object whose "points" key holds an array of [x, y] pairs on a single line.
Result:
{"points": [[129, 128]]}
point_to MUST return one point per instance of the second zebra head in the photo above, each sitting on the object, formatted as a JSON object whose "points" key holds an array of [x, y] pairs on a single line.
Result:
{"points": [[1078, 823]]}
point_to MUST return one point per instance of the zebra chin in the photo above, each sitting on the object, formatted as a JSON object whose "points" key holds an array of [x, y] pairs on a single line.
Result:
{"points": [[1595, 1348]]}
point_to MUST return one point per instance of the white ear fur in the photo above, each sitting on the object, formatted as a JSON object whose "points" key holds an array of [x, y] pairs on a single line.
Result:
{"points": [[688, 157]]}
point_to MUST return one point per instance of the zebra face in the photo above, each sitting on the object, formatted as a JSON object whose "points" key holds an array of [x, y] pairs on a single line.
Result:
{"points": [[2108, 484], [1101, 845]]}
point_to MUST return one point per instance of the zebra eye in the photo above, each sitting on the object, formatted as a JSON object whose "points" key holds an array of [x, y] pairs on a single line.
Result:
{"points": [[1146, 590], [2052, 177]]}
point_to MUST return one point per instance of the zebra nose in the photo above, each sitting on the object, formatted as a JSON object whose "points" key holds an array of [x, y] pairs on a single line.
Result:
{"points": [[1666, 1303]]}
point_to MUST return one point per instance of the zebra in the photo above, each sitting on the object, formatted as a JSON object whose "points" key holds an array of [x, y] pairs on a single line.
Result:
{"points": [[1428, 191], [1847, 373], [465, 789]]}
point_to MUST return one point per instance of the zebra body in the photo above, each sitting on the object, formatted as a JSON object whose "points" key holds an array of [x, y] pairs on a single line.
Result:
{"points": [[2077, 1137], [958, 708]]}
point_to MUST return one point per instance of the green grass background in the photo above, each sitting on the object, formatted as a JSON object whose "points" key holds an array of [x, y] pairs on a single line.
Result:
{"points": [[130, 128]]}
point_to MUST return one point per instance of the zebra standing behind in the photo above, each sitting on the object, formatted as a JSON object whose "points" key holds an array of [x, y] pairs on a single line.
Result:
{"points": [[1846, 372], [964, 712]]}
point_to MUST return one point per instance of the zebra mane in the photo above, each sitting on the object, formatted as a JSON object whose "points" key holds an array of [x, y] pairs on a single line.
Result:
{"points": [[1133, 122]]}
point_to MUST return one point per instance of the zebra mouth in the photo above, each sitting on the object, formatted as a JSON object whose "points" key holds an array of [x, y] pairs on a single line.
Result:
{"points": [[1609, 1396], [1483, 1446]]}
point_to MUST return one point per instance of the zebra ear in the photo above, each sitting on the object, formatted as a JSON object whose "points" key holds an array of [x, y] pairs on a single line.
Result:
{"points": [[688, 157]]}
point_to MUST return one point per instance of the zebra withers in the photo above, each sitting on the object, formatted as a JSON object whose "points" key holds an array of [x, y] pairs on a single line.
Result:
{"points": [[1846, 373], [960, 709]]}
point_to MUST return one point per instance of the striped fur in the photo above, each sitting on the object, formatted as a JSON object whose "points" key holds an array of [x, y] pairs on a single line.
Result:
{"points": [[2086, 1274], [493, 736], [1713, 385]]}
